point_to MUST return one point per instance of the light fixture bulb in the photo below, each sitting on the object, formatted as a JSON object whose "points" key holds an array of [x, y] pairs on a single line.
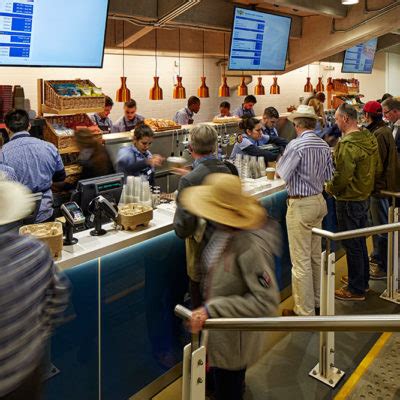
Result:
{"points": [[350, 2]]}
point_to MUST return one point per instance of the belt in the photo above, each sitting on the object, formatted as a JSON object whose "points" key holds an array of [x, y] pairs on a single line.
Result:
{"points": [[302, 197]]}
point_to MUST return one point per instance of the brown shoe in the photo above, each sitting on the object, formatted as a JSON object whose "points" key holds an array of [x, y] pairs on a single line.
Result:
{"points": [[377, 274], [345, 294], [345, 279], [288, 313]]}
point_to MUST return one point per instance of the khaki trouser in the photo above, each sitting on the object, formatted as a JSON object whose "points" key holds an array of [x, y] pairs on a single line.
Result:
{"points": [[305, 251]]}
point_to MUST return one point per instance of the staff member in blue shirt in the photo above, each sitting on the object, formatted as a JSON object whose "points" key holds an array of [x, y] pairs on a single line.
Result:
{"points": [[130, 118], [37, 164], [246, 110], [249, 142], [185, 115], [136, 160], [269, 120], [102, 119]]}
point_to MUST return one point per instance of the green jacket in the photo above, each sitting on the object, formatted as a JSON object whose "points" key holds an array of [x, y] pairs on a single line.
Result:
{"points": [[357, 164], [389, 179]]}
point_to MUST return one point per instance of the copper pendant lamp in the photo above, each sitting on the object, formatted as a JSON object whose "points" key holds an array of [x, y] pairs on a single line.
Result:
{"points": [[259, 89], [223, 90], [179, 91], [308, 87], [320, 86], [123, 93], [156, 92], [203, 90], [242, 88], [274, 88]]}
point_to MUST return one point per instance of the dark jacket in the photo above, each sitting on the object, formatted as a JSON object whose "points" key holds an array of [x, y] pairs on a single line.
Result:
{"points": [[185, 224], [95, 162], [357, 164], [389, 179]]}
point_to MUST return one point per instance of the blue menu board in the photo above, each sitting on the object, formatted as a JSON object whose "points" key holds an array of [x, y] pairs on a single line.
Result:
{"points": [[259, 41], [54, 33], [360, 59]]}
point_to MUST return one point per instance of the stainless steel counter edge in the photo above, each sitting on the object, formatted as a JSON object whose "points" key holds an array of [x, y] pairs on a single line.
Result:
{"points": [[91, 247]]}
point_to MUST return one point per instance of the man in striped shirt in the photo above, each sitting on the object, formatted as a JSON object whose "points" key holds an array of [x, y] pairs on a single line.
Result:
{"points": [[305, 166], [32, 297]]}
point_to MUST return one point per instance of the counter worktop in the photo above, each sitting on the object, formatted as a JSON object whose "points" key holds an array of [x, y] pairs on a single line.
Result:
{"points": [[91, 247]]}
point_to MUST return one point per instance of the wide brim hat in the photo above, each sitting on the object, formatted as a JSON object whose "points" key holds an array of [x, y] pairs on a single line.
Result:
{"points": [[16, 202], [220, 199], [303, 111]]}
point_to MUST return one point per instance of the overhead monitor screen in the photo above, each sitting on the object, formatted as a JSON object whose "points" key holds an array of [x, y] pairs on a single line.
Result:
{"points": [[360, 59], [52, 33], [259, 41]]}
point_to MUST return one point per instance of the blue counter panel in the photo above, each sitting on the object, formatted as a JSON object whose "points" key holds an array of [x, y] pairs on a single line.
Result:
{"points": [[75, 344]]}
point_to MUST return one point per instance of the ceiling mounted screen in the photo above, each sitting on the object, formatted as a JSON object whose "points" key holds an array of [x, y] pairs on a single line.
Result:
{"points": [[52, 33], [360, 59], [259, 41]]}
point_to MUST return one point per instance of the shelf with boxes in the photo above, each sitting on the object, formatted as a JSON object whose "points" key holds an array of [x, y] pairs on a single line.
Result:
{"points": [[67, 103]]}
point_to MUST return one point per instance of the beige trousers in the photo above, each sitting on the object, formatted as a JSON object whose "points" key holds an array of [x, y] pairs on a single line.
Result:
{"points": [[305, 251]]}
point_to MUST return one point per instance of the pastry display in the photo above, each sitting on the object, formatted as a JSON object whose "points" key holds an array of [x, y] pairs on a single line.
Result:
{"points": [[158, 124], [226, 120]]}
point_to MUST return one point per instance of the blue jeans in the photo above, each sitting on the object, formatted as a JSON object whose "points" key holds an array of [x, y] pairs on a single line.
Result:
{"points": [[379, 209], [354, 215]]}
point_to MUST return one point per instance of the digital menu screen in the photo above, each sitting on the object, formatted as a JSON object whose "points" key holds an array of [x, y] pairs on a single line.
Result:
{"points": [[52, 33], [259, 41], [360, 59]]}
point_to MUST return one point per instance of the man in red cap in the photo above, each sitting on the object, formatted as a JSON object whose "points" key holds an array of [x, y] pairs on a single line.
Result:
{"points": [[379, 204]]}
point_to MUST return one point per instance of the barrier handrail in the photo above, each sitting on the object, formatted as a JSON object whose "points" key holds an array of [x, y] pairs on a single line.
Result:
{"points": [[338, 323], [372, 230]]}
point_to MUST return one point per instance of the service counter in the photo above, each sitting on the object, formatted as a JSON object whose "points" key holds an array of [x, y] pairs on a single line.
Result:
{"points": [[121, 338]]}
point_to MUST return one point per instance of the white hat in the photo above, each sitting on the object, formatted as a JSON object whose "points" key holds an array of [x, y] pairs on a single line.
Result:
{"points": [[303, 111], [16, 202]]}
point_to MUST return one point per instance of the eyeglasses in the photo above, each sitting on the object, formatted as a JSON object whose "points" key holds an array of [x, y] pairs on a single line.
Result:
{"points": [[387, 111], [258, 130]]}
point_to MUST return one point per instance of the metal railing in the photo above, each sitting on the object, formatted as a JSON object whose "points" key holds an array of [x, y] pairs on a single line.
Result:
{"points": [[338, 323]]}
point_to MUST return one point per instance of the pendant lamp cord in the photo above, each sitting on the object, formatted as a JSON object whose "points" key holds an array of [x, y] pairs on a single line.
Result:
{"points": [[123, 48], [155, 53], [179, 52], [203, 51]]}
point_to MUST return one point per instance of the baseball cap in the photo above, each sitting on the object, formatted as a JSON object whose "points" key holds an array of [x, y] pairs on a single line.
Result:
{"points": [[372, 107]]}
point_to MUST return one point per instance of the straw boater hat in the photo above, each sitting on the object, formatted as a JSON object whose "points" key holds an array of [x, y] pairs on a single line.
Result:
{"points": [[220, 199], [303, 111], [15, 202]]}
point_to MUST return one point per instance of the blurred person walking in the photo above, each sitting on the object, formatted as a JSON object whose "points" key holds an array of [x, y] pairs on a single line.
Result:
{"points": [[239, 279], [33, 295]]}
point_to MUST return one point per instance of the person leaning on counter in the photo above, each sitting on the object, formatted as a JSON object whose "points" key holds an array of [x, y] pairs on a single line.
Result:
{"points": [[130, 119], [246, 110], [136, 160], [185, 115], [248, 143], [224, 110], [37, 164], [268, 127], [102, 119]]}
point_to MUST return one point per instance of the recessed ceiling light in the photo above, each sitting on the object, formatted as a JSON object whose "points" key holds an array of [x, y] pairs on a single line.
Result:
{"points": [[350, 2]]}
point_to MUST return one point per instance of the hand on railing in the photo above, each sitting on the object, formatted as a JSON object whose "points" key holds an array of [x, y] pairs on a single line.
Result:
{"points": [[197, 320]]}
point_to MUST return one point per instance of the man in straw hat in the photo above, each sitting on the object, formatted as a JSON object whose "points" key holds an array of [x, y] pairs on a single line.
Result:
{"points": [[239, 281], [305, 166], [32, 295]]}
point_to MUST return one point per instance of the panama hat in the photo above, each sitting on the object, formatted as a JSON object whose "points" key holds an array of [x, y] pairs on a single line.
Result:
{"points": [[220, 199], [16, 202], [303, 111]]}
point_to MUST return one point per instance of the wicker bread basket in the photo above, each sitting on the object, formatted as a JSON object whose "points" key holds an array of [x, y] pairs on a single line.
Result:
{"points": [[54, 100]]}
